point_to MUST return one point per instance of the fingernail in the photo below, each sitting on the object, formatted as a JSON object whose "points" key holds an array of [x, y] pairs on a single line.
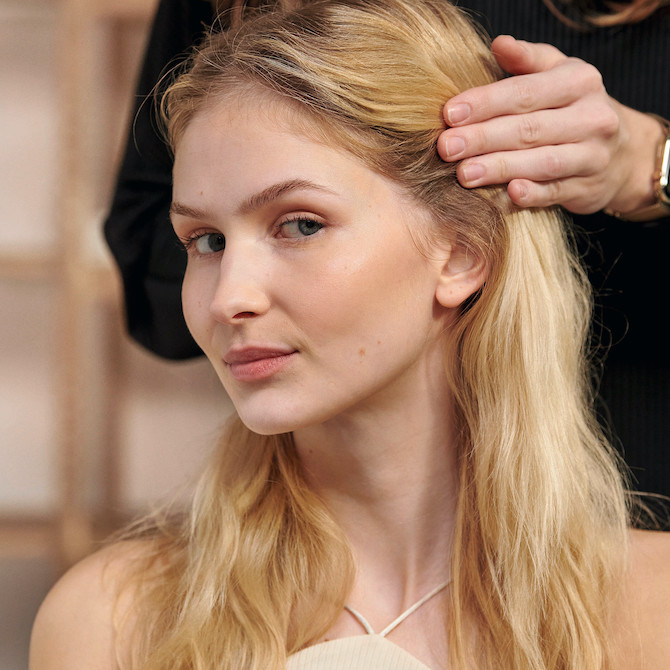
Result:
{"points": [[458, 113], [454, 147], [472, 172]]}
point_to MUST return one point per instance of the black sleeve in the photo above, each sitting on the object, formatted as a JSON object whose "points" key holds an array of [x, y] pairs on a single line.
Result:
{"points": [[138, 230]]}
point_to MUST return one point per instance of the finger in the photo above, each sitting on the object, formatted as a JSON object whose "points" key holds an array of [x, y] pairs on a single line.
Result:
{"points": [[520, 57], [542, 164], [518, 132], [556, 88], [576, 194]]}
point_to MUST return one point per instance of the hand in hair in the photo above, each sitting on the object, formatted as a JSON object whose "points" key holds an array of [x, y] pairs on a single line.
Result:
{"points": [[552, 134]]}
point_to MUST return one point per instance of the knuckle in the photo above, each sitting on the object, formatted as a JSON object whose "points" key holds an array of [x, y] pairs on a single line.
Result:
{"points": [[502, 170], [608, 122], [554, 193], [593, 76], [554, 166], [524, 93], [600, 161], [586, 76], [529, 130]]}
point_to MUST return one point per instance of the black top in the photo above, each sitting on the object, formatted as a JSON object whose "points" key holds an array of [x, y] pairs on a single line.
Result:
{"points": [[138, 228], [627, 261]]}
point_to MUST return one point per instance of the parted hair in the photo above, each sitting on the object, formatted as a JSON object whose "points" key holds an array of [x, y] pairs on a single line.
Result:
{"points": [[259, 568]]}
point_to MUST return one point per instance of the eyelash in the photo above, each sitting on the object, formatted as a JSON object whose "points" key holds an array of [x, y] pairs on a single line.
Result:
{"points": [[298, 219], [193, 238]]}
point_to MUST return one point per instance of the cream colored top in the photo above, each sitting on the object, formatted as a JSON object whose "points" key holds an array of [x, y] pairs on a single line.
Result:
{"points": [[362, 652]]}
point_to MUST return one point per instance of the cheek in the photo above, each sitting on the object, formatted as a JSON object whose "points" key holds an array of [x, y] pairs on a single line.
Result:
{"points": [[196, 298], [339, 291], [358, 294]]}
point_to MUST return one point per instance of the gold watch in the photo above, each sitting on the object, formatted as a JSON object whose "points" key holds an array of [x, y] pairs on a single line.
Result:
{"points": [[661, 178]]}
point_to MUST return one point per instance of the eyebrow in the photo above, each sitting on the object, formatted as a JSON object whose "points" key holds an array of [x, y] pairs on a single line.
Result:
{"points": [[185, 210], [257, 200]]}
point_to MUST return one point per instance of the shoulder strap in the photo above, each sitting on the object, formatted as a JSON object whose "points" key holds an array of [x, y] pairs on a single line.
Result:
{"points": [[396, 622]]}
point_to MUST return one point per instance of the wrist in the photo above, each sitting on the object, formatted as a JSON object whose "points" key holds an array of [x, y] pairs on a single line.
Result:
{"points": [[648, 197]]}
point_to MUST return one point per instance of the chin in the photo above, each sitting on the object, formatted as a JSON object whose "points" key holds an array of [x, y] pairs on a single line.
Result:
{"points": [[266, 429], [278, 421], [267, 423]]}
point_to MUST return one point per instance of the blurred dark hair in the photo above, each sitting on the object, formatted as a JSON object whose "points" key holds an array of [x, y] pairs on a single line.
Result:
{"points": [[232, 12], [583, 14]]}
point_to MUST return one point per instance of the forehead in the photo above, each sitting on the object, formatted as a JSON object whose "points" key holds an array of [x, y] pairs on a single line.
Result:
{"points": [[270, 109], [256, 137], [249, 136]]}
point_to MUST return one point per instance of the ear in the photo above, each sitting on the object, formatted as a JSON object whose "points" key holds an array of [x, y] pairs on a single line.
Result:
{"points": [[463, 274]]}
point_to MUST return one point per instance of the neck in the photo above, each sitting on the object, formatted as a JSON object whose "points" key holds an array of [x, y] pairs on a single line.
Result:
{"points": [[390, 480]]}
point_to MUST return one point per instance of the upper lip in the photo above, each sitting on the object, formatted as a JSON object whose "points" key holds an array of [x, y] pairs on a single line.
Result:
{"points": [[248, 354]]}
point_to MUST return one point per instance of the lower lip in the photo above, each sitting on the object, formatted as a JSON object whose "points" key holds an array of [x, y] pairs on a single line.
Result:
{"points": [[263, 368]]}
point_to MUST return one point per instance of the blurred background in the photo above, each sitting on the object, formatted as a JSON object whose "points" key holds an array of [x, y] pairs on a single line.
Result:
{"points": [[92, 429]]}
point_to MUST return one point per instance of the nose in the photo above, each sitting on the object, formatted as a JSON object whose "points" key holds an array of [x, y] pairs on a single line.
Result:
{"points": [[241, 289]]}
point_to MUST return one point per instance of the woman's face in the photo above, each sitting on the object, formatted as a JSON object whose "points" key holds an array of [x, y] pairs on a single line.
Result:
{"points": [[304, 285]]}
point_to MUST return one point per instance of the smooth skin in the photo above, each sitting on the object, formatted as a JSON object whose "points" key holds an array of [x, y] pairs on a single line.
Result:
{"points": [[552, 133]]}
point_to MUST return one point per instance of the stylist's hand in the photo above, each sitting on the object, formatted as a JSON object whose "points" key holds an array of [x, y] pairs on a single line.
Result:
{"points": [[552, 134]]}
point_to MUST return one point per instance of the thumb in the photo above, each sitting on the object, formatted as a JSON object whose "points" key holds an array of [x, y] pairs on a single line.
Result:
{"points": [[519, 57]]}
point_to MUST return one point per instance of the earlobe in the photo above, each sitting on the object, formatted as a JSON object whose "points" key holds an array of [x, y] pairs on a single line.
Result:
{"points": [[463, 274]]}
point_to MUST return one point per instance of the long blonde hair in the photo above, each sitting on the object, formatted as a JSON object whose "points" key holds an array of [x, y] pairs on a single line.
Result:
{"points": [[260, 569]]}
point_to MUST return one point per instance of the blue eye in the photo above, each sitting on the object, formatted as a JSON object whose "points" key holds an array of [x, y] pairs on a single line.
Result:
{"points": [[300, 228], [210, 243]]}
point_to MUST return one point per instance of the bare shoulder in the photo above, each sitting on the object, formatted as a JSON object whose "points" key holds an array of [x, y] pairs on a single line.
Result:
{"points": [[644, 614], [649, 572], [74, 627]]}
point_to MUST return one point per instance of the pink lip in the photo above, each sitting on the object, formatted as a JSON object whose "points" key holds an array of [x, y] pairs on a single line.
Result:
{"points": [[257, 363]]}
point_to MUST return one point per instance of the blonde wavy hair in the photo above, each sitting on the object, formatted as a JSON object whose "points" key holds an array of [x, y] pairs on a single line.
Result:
{"points": [[259, 569]]}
